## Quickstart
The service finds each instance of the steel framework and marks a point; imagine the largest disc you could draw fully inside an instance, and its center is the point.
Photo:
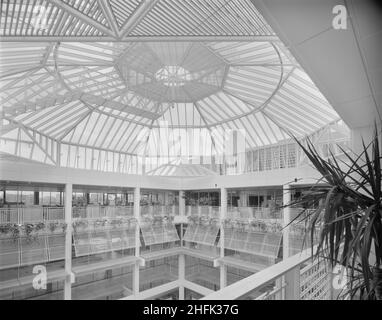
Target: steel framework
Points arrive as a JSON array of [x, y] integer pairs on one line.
[[110, 83]]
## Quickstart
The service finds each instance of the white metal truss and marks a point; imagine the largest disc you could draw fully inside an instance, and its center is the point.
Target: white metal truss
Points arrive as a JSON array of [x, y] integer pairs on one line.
[[135, 20]]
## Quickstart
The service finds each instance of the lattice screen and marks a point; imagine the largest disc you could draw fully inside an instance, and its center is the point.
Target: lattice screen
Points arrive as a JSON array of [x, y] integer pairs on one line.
[[99, 241], [9, 253], [258, 243], [315, 282], [22, 251], [159, 234], [201, 234]]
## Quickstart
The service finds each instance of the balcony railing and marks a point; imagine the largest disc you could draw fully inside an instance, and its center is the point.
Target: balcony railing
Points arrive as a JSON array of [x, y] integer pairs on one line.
[[296, 278], [235, 213], [159, 210], [32, 214], [21, 215], [94, 211]]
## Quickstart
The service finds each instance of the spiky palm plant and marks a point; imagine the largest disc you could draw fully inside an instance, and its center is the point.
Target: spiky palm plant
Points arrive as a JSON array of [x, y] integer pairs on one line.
[[348, 217]]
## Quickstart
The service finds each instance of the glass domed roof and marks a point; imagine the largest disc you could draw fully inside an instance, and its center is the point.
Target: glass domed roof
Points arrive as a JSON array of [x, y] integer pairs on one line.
[[155, 79]]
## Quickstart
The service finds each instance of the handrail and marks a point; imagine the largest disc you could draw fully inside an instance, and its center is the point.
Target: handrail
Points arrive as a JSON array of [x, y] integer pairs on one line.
[[259, 279]]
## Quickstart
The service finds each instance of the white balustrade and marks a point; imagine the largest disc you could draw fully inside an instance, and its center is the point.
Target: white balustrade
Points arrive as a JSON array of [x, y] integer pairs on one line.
[[295, 278], [34, 214], [39, 213]]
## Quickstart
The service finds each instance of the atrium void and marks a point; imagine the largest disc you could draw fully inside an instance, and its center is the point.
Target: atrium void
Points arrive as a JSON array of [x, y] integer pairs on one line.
[[156, 149]]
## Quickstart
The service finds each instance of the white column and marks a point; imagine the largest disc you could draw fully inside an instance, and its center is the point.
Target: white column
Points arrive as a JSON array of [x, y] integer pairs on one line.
[[58, 155], [181, 275], [182, 204], [68, 242], [137, 216], [182, 214], [223, 214], [292, 281], [286, 220], [166, 202], [223, 276], [144, 165]]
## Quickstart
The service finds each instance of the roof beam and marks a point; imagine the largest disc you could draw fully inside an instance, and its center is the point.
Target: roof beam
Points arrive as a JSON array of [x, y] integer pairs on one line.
[[7, 128], [105, 7], [183, 38], [88, 98], [21, 126], [81, 16], [136, 17], [12, 73], [47, 53], [259, 64]]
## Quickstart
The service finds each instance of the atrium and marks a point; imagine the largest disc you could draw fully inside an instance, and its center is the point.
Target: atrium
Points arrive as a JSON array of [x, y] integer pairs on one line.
[[153, 149]]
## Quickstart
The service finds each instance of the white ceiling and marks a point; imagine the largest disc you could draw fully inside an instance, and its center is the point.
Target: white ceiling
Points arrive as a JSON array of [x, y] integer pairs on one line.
[[344, 64]]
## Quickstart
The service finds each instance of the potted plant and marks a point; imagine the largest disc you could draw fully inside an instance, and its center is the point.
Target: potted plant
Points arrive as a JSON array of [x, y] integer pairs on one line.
[[348, 216], [80, 225], [228, 223], [32, 230], [6, 230], [57, 227], [193, 219], [100, 224]]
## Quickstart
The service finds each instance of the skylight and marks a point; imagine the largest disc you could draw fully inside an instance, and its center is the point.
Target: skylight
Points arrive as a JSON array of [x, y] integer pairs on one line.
[[173, 76]]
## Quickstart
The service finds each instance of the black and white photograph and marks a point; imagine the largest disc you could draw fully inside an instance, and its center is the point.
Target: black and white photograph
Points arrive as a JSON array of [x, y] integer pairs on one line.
[[212, 151]]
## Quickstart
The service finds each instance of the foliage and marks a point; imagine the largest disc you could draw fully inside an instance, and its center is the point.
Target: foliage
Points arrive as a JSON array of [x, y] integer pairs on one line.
[[53, 226], [80, 223], [193, 219], [118, 222], [30, 230], [348, 215], [101, 222], [5, 228]]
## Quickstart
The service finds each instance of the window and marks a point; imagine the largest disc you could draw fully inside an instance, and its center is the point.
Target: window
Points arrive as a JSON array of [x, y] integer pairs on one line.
[[27, 197], [111, 198], [11, 196], [78, 199], [49, 198], [55, 199], [96, 198]]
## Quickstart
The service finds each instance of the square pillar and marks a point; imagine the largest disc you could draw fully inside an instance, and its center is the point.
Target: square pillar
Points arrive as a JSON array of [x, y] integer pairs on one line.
[[222, 216], [223, 276], [182, 204], [286, 220], [137, 216], [182, 213], [136, 278], [292, 281], [68, 242], [166, 198], [181, 275]]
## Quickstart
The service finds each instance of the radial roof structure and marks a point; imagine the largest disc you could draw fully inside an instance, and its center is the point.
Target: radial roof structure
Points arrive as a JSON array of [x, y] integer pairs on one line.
[[145, 78]]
